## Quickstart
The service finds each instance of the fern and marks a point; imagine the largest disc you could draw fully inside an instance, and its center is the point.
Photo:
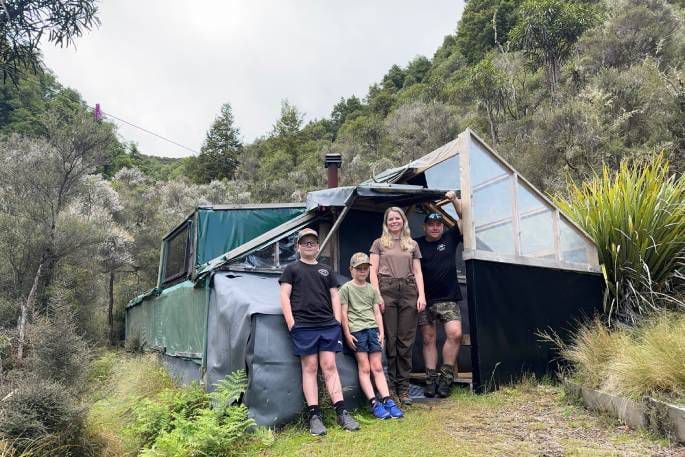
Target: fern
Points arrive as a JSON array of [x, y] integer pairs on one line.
[[191, 423], [228, 391]]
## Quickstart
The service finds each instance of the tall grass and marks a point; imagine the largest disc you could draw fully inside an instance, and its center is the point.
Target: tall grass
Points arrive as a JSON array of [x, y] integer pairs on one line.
[[647, 359], [636, 216], [120, 381], [653, 363]]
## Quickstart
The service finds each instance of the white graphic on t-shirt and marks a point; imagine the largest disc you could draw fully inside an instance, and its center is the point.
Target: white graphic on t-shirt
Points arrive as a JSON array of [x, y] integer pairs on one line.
[[441, 247], [323, 272]]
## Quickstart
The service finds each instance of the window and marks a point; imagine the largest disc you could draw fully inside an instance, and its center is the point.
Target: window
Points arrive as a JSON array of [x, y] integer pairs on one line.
[[444, 175], [574, 247], [483, 166], [536, 224], [177, 253], [274, 256]]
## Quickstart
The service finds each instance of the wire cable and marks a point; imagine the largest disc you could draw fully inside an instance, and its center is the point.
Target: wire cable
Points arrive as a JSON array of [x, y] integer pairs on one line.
[[148, 131]]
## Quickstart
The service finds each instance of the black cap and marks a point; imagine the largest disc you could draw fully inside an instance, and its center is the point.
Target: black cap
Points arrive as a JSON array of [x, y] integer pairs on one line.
[[433, 217]]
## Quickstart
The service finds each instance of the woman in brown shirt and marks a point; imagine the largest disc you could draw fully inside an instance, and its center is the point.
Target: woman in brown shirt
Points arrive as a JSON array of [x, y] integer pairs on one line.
[[396, 273]]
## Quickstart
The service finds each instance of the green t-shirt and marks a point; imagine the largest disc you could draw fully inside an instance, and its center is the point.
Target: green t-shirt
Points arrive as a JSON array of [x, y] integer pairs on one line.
[[359, 301]]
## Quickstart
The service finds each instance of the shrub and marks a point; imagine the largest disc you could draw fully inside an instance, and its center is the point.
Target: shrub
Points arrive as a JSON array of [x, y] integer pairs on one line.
[[36, 410], [591, 349], [648, 359], [154, 416], [58, 353], [189, 422], [653, 363], [637, 219]]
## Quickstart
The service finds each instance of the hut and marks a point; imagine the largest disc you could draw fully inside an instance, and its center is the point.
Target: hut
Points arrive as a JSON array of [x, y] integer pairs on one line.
[[524, 268]]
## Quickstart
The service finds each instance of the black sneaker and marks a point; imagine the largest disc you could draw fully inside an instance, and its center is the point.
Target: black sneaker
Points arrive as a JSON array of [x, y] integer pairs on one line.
[[316, 426], [347, 422], [445, 381], [431, 383]]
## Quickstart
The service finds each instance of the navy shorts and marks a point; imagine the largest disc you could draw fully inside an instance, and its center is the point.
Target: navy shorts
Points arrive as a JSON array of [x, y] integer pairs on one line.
[[312, 340], [368, 340]]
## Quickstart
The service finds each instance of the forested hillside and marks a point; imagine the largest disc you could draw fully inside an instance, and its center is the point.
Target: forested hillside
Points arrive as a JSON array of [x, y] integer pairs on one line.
[[557, 87]]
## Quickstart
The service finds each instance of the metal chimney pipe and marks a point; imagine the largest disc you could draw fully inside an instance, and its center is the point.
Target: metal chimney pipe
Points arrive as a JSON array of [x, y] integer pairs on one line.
[[332, 163]]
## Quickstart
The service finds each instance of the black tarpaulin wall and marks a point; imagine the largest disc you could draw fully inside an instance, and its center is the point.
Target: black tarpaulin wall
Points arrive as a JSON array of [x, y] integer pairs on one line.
[[246, 330], [508, 304]]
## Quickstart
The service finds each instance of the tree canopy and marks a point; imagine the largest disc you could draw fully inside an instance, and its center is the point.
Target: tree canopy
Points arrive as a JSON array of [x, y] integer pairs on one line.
[[24, 23]]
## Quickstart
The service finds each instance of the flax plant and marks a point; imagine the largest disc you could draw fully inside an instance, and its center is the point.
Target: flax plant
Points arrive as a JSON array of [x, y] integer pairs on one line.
[[636, 216]]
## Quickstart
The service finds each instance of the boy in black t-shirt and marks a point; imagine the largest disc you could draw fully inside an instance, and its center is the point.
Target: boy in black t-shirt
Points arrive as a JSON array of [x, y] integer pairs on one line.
[[439, 266], [311, 307]]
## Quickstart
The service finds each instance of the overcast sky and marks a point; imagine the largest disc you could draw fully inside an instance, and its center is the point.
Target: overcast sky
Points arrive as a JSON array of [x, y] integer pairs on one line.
[[168, 66]]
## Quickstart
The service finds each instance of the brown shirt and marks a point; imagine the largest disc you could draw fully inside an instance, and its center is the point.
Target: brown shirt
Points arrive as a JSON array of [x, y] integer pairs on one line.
[[395, 262]]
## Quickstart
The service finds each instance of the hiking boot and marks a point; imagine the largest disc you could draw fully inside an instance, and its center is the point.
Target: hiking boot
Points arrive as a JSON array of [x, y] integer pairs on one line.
[[431, 383], [392, 409], [445, 381], [405, 399], [316, 426], [347, 422], [380, 411]]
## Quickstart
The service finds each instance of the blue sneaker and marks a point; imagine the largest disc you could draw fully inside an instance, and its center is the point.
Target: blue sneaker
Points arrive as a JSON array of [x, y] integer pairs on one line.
[[379, 411], [393, 410]]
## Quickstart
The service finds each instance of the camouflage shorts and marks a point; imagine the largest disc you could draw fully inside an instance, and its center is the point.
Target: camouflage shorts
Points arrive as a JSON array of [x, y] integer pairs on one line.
[[443, 311]]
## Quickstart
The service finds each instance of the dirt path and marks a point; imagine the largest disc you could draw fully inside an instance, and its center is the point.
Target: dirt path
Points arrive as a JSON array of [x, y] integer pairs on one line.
[[538, 420]]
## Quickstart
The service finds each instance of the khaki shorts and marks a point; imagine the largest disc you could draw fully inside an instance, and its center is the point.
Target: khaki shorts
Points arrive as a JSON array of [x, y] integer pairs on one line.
[[444, 311]]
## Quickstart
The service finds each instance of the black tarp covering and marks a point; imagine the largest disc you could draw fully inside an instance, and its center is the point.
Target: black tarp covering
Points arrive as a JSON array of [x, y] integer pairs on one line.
[[246, 330], [274, 391], [509, 303]]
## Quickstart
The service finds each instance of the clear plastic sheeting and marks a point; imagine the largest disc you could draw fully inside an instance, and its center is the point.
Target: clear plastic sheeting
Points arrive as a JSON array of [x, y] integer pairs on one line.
[[445, 175], [493, 215], [483, 166], [271, 257], [496, 238], [574, 248], [536, 224], [493, 202], [537, 237]]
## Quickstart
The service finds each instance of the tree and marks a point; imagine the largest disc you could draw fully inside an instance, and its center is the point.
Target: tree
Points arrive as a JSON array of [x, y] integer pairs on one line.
[[418, 128], [394, 79], [417, 70], [547, 30], [634, 29], [343, 110], [39, 181], [480, 20], [285, 137], [486, 84], [23, 23], [218, 157]]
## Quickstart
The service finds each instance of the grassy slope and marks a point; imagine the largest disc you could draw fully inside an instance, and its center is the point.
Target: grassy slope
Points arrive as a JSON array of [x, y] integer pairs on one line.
[[526, 420]]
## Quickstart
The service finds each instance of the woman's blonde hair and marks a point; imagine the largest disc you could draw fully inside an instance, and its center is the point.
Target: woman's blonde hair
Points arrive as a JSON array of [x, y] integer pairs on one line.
[[406, 243]]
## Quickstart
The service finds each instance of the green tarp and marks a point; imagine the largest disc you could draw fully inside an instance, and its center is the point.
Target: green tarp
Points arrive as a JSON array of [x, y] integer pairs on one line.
[[173, 322], [221, 230]]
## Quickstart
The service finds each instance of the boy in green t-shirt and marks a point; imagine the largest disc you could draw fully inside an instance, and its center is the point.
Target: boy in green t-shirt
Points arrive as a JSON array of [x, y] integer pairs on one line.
[[363, 328]]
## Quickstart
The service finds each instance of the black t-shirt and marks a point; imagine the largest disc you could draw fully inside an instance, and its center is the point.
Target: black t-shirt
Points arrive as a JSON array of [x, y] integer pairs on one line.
[[439, 266], [310, 298]]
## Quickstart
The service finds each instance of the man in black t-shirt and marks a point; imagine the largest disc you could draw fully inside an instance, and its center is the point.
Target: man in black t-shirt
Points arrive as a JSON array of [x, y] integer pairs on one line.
[[312, 311], [439, 266]]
